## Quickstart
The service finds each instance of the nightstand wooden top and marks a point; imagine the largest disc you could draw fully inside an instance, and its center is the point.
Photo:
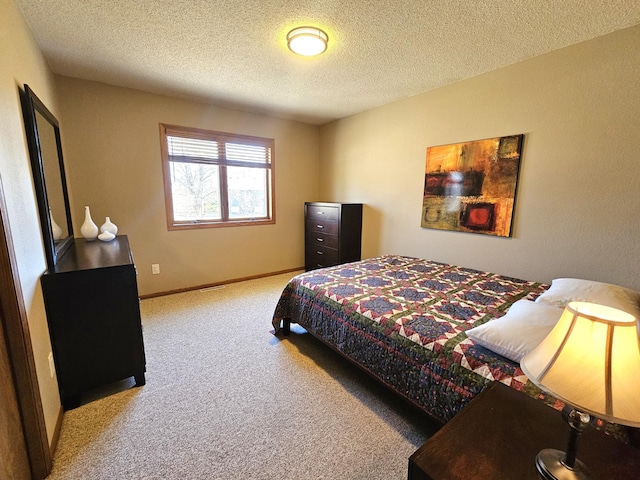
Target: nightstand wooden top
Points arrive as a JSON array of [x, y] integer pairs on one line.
[[499, 434]]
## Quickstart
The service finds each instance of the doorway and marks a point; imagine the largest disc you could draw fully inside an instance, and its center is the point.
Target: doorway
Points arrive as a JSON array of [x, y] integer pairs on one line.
[[20, 402]]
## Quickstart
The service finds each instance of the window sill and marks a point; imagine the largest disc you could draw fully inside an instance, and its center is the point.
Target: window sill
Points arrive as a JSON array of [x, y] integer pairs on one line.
[[197, 225]]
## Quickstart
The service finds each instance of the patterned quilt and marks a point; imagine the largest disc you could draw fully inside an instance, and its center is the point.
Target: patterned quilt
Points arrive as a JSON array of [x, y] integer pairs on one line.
[[404, 320]]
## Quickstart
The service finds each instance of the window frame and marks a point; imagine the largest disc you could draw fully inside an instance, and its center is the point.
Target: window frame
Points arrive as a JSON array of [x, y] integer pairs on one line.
[[222, 163]]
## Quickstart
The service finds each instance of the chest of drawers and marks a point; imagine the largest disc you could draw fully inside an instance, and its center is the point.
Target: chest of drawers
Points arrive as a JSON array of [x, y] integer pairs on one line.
[[93, 312], [333, 233]]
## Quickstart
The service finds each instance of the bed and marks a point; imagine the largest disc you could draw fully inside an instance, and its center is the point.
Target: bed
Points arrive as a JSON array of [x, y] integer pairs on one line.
[[403, 320]]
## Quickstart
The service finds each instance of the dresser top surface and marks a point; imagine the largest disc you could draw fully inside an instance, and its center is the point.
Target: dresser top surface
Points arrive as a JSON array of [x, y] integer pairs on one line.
[[332, 204], [87, 255]]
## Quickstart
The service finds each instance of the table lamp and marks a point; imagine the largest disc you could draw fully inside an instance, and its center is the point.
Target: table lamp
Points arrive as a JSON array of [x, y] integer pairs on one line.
[[591, 362]]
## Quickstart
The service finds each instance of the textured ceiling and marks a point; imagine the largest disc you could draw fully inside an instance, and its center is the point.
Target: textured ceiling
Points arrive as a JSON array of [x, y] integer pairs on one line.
[[233, 53]]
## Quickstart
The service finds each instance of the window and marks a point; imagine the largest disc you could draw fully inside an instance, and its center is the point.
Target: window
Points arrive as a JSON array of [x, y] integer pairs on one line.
[[214, 179]]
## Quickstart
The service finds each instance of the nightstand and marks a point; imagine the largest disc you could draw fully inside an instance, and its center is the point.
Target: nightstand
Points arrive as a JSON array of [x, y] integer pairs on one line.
[[500, 432]]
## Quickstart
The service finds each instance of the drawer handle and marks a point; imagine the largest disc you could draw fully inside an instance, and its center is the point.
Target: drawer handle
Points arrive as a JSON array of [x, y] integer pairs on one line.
[[320, 213], [320, 239], [320, 253], [320, 226]]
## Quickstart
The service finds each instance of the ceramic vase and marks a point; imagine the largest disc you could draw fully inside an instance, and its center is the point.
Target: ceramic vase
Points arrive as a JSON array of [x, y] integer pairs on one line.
[[55, 228], [89, 230], [106, 236], [108, 226]]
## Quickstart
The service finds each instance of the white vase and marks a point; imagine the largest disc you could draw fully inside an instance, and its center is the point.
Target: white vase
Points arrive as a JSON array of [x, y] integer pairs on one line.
[[55, 228], [89, 230], [108, 226], [106, 236]]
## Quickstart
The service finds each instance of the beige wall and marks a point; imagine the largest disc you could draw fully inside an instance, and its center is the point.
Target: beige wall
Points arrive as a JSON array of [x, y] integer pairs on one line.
[[112, 153], [22, 63], [578, 201]]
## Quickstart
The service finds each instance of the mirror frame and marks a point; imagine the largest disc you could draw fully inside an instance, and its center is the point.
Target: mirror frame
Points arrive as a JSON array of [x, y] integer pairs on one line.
[[30, 105]]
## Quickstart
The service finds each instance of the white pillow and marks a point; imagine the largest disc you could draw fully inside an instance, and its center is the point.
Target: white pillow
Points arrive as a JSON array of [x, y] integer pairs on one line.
[[565, 290], [519, 331]]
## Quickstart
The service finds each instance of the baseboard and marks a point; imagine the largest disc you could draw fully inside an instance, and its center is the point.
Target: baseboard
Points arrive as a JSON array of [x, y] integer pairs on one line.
[[216, 284]]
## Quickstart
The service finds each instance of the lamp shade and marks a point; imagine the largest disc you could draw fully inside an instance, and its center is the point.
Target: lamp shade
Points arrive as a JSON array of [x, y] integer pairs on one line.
[[591, 360]]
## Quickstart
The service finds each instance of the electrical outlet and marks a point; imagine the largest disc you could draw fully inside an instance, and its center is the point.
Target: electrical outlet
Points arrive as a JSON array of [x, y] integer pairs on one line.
[[52, 366], [155, 268]]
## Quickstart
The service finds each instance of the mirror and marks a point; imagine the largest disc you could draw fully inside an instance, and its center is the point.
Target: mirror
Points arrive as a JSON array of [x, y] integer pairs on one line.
[[45, 150]]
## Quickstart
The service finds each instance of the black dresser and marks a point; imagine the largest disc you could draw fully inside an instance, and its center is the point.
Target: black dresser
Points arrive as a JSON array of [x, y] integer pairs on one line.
[[93, 311], [333, 233]]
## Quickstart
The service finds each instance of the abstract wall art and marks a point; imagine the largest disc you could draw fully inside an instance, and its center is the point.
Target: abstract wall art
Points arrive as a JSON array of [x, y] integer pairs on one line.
[[471, 186]]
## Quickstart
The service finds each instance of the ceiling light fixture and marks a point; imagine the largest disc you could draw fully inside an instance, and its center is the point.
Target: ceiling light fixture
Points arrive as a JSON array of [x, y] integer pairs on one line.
[[307, 41]]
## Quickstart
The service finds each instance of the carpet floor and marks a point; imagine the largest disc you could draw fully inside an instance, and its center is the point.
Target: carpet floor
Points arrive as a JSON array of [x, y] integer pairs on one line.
[[226, 399]]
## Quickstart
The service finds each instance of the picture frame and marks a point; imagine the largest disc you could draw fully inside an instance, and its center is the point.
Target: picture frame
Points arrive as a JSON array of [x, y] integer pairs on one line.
[[471, 186]]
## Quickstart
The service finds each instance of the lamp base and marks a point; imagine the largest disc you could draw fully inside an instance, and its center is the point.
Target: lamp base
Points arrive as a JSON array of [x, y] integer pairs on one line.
[[550, 465]]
